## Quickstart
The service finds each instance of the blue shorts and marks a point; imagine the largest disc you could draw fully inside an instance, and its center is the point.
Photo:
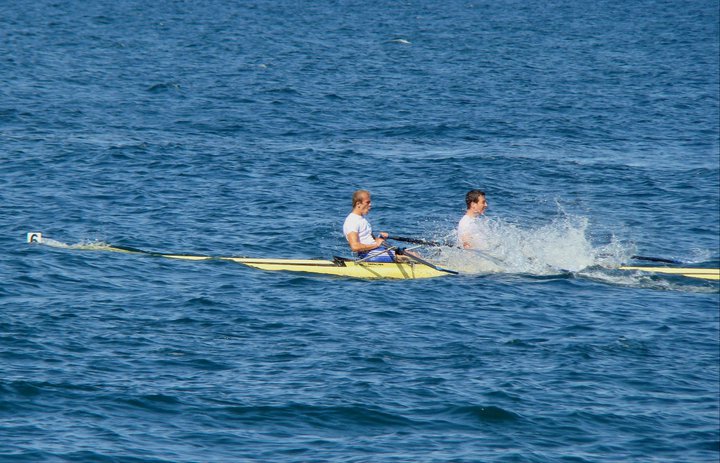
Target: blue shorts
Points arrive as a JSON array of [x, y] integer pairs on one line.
[[388, 256]]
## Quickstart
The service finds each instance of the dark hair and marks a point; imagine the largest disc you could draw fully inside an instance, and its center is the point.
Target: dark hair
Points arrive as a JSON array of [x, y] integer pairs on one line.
[[473, 196]]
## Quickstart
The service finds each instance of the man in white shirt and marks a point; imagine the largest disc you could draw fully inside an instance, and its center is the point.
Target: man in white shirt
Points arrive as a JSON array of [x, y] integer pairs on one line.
[[468, 233], [358, 232]]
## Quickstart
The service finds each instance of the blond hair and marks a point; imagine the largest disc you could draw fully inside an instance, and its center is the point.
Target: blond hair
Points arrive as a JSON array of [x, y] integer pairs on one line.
[[359, 196]]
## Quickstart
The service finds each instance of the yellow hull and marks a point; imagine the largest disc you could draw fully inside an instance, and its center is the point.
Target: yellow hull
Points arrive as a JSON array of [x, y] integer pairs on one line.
[[338, 267], [703, 273], [344, 268]]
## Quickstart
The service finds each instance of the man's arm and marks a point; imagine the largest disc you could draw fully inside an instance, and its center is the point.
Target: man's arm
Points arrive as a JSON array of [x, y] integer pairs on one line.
[[356, 246]]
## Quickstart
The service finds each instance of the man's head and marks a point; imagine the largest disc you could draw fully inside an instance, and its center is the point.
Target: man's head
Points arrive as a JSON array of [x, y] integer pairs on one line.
[[361, 202], [475, 200]]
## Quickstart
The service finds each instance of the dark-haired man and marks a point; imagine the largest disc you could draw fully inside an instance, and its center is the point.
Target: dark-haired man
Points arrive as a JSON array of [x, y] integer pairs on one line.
[[468, 233]]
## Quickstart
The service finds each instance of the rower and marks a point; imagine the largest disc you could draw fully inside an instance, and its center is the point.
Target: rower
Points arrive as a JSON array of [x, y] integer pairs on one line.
[[359, 235], [468, 232]]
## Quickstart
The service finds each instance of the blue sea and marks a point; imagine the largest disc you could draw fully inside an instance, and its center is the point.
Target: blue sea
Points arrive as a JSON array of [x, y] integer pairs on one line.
[[242, 128]]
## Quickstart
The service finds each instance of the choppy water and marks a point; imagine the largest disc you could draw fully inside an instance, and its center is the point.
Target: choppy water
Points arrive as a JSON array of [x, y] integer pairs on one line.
[[233, 128]]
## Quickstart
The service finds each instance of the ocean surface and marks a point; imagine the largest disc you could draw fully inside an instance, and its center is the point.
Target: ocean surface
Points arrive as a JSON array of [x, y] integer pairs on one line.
[[243, 128]]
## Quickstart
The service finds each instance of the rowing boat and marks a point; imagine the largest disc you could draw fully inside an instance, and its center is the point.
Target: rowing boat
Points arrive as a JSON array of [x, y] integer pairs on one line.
[[339, 266], [343, 267]]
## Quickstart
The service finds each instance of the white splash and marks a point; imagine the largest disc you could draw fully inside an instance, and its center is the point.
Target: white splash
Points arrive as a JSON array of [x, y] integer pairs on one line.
[[559, 246]]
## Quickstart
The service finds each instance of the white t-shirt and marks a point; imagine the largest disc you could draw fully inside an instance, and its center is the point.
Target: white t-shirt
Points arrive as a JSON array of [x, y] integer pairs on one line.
[[357, 223], [470, 231]]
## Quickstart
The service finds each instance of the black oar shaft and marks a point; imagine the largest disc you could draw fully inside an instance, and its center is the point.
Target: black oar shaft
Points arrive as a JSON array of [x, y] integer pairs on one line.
[[415, 241], [435, 243], [430, 264], [656, 259]]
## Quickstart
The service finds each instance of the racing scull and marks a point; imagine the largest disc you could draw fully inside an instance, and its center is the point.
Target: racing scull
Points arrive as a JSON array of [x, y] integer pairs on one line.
[[343, 267]]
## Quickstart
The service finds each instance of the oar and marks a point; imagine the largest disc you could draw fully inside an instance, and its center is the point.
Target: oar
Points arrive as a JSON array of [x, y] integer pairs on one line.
[[656, 259], [411, 256], [435, 243], [415, 241], [430, 264]]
